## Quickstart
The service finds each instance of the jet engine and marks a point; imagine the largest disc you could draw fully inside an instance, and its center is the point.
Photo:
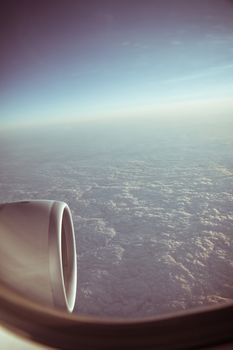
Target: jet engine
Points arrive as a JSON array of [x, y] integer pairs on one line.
[[38, 252]]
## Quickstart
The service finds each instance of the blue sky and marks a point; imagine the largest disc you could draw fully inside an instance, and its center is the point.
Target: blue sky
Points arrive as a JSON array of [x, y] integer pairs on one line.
[[64, 61]]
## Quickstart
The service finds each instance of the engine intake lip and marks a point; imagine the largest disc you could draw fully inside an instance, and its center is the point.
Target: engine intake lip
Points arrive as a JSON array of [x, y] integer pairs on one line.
[[62, 257]]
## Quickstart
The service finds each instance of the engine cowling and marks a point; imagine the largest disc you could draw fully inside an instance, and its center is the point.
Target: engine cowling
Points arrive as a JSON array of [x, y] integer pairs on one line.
[[38, 252]]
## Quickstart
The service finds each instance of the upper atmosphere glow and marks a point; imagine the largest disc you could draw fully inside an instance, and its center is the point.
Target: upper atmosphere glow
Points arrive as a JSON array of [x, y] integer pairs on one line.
[[76, 61]]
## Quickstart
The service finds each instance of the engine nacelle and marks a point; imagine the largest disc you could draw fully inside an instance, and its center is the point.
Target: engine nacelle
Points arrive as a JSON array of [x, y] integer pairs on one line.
[[38, 252]]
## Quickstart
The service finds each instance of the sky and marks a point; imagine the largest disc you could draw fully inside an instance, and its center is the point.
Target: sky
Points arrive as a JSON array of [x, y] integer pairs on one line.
[[75, 60]]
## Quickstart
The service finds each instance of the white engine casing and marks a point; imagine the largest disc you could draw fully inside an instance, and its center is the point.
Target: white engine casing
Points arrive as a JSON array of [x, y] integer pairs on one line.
[[38, 252]]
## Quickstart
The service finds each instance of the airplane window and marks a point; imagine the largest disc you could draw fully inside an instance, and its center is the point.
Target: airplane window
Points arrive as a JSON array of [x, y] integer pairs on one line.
[[123, 109]]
